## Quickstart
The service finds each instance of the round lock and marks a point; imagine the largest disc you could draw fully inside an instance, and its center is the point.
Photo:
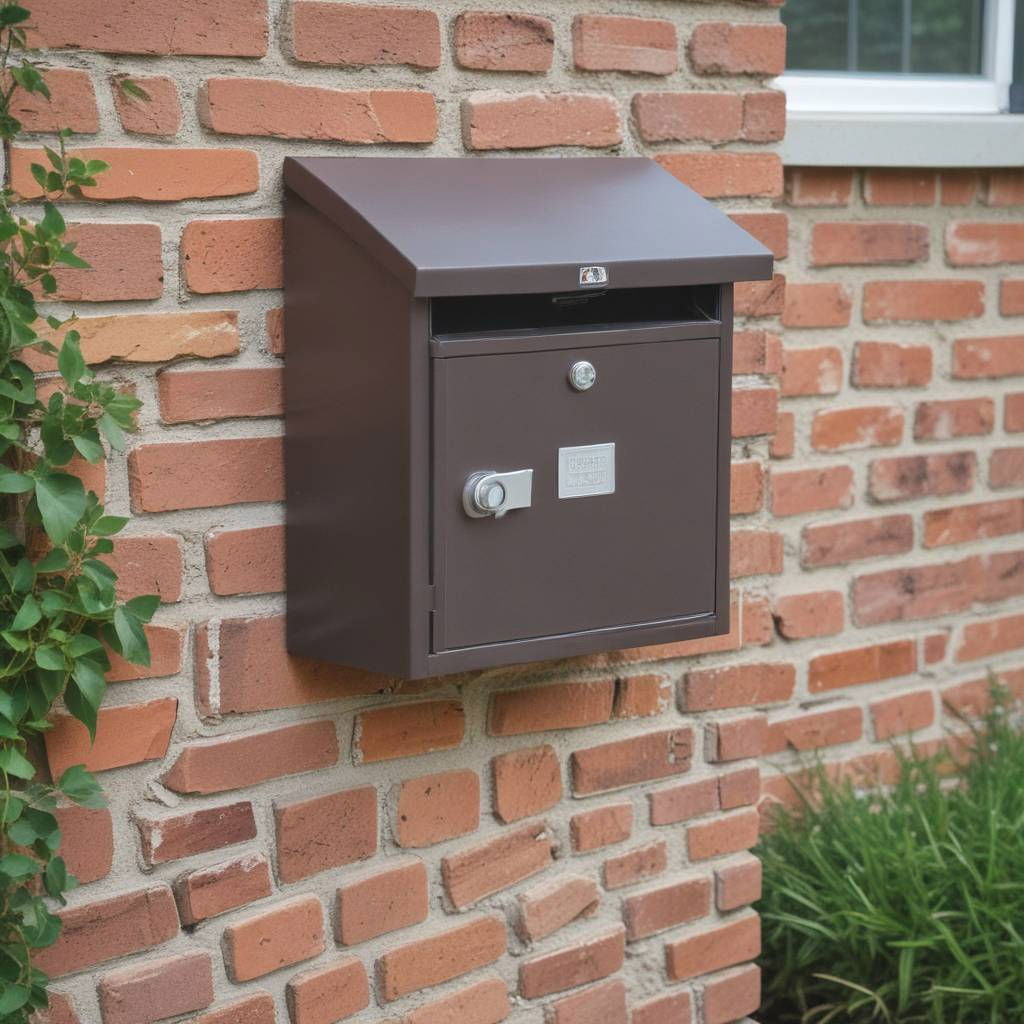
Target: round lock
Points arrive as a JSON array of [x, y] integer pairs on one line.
[[491, 497], [582, 375]]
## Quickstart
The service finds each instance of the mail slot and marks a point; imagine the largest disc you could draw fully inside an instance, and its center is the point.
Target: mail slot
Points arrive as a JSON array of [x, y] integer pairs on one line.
[[507, 409]]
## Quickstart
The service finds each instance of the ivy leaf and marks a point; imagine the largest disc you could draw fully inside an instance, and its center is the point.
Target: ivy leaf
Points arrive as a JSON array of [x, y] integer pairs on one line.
[[61, 499], [12, 811], [143, 608], [80, 645], [52, 223], [13, 997], [49, 657], [81, 787], [91, 681], [24, 576], [112, 431], [71, 362], [28, 615], [55, 878], [90, 450], [107, 526], [12, 14], [14, 762], [54, 561], [14, 483], [131, 638]]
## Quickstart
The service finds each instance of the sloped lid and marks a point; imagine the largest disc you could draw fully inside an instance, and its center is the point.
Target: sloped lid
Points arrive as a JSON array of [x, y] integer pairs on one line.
[[479, 226]]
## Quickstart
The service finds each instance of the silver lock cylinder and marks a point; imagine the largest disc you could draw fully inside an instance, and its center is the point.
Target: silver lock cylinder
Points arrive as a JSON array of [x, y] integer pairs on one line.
[[582, 375], [489, 493]]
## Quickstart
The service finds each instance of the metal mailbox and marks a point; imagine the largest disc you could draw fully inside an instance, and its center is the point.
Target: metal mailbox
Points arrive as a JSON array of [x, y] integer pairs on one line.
[[507, 409]]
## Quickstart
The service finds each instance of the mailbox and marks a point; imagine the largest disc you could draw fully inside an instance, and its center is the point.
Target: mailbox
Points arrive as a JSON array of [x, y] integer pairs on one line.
[[507, 409]]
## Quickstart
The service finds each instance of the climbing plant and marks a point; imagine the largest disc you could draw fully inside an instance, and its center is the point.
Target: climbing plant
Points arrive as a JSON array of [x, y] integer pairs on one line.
[[59, 614]]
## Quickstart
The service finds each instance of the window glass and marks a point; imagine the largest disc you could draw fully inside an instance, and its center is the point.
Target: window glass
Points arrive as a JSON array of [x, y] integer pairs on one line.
[[932, 37]]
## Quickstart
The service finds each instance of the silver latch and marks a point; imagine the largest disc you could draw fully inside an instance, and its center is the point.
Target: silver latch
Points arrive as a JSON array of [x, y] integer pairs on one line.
[[490, 493]]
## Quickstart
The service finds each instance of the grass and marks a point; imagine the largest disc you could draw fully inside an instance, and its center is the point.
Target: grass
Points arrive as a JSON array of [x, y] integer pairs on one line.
[[904, 905]]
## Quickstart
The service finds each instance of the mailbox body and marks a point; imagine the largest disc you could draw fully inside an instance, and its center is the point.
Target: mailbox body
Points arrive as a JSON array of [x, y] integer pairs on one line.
[[421, 351]]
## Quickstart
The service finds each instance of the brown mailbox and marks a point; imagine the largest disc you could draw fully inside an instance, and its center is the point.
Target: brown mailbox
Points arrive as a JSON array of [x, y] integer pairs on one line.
[[508, 409]]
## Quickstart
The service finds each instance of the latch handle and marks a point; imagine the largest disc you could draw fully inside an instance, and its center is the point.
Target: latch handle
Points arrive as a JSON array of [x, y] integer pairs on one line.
[[490, 493]]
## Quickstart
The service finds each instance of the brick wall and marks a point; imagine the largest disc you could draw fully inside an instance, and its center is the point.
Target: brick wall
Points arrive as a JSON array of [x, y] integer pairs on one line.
[[294, 842]]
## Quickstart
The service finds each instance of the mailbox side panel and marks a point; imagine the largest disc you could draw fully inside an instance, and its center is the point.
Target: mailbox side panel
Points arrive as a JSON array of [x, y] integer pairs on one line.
[[348, 450]]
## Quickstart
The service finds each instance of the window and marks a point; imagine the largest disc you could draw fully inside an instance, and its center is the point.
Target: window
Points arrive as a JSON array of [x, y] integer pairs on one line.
[[886, 56]]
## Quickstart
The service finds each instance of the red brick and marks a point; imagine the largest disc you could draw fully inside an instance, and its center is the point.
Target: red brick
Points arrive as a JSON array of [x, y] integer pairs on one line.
[[537, 120], [647, 861], [899, 187], [822, 304], [504, 41], [59, 1011], [248, 561], [210, 891], [255, 1009], [583, 962], [728, 834], [813, 729], [974, 697], [364, 34], [723, 48], [124, 260], [1005, 188], [200, 831], [868, 426], [526, 782], [764, 116], [93, 933], [605, 1003], [747, 493], [486, 1002], [551, 905], [811, 371], [736, 738], [654, 755], [165, 644], [205, 474], [909, 712], [923, 300], [800, 616], [760, 298], [656, 910], [448, 954], [232, 255], [326, 995], [737, 686], [959, 188], [862, 665], [730, 996], [87, 841], [1000, 575], [495, 864], [408, 729], [991, 637], [71, 104], [720, 175], [797, 492], [784, 442], [147, 565], [609, 43], [935, 648], [214, 766], [923, 592], [960, 417], [642, 696], [158, 114], [384, 901], [432, 808], [754, 411], [283, 110], [682, 802], [237, 29], [888, 364], [128, 734], [156, 175], [289, 933], [973, 522], [987, 358], [601, 827], [854, 243], [738, 884], [712, 948], [771, 229], [324, 832], [1006, 467], [688, 116], [740, 787], [818, 186], [191, 396], [919, 476], [755, 552], [157, 989], [1011, 297], [984, 243], [1013, 414], [541, 708]]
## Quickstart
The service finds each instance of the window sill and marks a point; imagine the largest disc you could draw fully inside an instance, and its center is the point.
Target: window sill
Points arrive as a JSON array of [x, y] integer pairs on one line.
[[903, 140]]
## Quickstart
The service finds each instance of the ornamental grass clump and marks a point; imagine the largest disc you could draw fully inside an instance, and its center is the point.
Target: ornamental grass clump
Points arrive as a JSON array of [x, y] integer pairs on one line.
[[902, 905]]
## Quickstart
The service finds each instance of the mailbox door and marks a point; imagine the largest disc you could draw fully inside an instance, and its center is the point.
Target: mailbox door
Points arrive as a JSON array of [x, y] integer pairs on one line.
[[589, 553]]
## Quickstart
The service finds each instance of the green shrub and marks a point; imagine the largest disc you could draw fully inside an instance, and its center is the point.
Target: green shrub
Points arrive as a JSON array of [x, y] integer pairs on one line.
[[905, 905]]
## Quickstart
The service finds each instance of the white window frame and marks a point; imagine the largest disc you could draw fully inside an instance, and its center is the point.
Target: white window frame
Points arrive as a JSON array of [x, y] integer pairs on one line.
[[861, 92]]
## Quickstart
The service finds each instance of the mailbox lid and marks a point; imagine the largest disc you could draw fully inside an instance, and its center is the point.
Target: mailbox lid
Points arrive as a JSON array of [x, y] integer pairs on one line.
[[576, 561], [474, 226]]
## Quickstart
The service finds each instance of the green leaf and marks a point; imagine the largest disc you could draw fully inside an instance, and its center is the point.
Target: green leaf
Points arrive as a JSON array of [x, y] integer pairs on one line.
[[91, 681], [52, 223], [12, 811], [81, 787], [14, 483], [17, 865], [80, 645], [7, 539], [13, 997], [107, 526], [71, 362], [55, 878], [24, 576], [28, 615], [130, 88], [12, 14], [55, 560], [61, 499], [131, 638], [50, 657], [112, 431], [15, 763], [90, 450], [144, 607]]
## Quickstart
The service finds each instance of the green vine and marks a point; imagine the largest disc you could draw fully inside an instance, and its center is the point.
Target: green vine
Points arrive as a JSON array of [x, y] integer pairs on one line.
[[59, 614]]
